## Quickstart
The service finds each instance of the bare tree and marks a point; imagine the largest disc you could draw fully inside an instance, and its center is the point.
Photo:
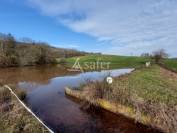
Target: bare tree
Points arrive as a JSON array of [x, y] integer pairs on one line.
[[159, 55], [28, 52]]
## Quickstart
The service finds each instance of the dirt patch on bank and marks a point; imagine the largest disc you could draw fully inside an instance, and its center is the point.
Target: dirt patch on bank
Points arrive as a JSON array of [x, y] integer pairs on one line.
[[168, 74]]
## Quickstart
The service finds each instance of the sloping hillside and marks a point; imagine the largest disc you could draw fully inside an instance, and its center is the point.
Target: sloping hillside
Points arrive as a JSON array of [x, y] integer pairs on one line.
[[115, 61]]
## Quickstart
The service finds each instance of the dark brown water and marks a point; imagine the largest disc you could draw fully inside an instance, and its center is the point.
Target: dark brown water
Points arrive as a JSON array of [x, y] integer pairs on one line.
[[45, 96]]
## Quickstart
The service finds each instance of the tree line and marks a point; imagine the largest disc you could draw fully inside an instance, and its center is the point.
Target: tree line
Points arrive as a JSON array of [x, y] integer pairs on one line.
[[157, 55], [28, 52]]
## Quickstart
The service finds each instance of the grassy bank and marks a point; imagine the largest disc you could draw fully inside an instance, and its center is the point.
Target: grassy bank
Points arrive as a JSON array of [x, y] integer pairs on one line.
[[171, 64], [115, 61], [14, 118], [147, 95], [152, 84]]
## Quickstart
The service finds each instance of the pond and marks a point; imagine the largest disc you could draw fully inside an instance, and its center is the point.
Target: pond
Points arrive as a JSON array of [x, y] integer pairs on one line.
[[46, 97]]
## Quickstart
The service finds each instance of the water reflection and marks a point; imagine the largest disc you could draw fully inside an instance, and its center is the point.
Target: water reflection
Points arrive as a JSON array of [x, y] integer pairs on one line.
[[37, 74]]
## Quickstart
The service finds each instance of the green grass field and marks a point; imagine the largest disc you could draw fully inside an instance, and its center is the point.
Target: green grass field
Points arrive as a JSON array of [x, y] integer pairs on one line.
[[151, 84], [121, 61], [171, 64], [115, 61]]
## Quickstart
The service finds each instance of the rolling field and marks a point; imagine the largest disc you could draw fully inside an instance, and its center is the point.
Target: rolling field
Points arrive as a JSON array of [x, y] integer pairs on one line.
[[115, 61]]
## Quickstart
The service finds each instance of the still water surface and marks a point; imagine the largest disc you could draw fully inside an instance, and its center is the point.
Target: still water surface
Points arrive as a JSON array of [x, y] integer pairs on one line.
[[45, 96]]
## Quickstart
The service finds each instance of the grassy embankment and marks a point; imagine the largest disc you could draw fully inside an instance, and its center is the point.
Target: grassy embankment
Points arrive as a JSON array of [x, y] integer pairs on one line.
[[171, 64], [148, 95], [13, 117]]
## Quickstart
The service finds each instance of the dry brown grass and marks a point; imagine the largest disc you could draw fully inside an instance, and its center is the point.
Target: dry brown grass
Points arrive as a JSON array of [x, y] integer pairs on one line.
[[14, 118]]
